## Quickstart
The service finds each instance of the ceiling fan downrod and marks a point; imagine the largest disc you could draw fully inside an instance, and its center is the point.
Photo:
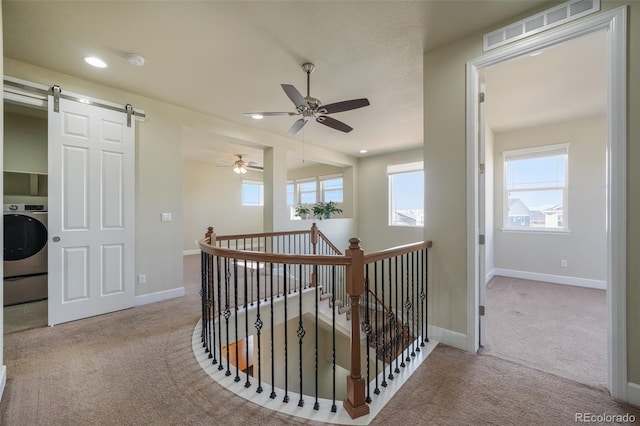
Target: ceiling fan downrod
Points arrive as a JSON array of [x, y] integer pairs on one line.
[[308, 67]]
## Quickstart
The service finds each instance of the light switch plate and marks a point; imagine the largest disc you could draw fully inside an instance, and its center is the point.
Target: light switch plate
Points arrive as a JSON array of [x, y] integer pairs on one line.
[[166, 217]]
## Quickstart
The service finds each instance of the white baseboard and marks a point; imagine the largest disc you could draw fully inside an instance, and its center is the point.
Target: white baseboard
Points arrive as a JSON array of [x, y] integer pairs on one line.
[[3, 379], [489, 275], [159, 296], [190, 252], [633, 394], [555, 279], [448, 337]]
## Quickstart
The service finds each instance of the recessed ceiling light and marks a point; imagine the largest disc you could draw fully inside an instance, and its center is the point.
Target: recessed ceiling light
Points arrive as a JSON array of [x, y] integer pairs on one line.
[[95, 62], [257, 116], [135, 59], [363, 151]]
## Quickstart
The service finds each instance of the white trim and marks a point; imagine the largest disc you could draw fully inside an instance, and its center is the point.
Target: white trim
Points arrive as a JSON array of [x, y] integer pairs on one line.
[[447, 337], [614, 23], [190, 252], [3, 379], [633, 394], [158, 296], [550, 278]]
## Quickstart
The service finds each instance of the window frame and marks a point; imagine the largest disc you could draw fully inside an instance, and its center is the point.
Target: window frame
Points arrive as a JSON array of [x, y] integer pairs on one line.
[[531, 153], [397, 169]]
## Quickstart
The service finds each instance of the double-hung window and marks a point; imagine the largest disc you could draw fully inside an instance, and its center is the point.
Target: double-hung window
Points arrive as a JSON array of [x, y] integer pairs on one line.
[[252, 193], [535, 188], [406, 194], [307, 191], [331, 187]]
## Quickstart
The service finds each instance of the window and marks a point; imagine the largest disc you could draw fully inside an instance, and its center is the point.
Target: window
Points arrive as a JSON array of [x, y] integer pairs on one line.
[[535, 188], [290, 194], [331, 188], [307, 192], [406, 194], [252, 193]]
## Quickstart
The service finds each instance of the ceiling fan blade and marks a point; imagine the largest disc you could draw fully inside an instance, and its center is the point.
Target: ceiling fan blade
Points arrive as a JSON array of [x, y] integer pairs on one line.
[[269, 114], [343, 106], [254, 167], [334, 124], [296, 97], [299, 124]]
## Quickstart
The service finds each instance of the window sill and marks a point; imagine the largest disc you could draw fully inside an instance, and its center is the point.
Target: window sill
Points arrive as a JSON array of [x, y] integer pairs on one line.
[[536, 231]]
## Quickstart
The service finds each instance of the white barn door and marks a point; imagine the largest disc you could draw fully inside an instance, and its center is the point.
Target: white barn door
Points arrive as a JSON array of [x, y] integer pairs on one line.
[[91, 211]]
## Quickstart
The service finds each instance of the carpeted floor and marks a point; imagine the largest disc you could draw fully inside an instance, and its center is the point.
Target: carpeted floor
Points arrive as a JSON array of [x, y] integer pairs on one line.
[[556, 328], [136, 367]]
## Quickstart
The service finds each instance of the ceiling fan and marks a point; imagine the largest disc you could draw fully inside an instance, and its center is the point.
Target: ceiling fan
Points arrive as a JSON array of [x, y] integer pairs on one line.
[[240, 166], [312, 108]]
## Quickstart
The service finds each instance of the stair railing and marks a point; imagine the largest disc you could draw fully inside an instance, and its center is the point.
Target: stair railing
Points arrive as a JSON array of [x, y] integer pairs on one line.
[[251, 283]]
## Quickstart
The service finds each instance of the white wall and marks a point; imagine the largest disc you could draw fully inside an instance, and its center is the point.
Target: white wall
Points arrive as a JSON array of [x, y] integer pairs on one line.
[[373, 203], [25, 148], [584, 247], [212, 197], [489, 201]]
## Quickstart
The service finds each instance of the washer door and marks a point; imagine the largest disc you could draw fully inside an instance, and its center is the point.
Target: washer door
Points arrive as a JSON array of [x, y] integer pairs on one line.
[[24, 236]]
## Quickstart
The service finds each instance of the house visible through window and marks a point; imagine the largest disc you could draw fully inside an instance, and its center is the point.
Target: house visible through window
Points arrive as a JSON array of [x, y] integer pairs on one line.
[[252, 193], [535, 188], [406, 194]]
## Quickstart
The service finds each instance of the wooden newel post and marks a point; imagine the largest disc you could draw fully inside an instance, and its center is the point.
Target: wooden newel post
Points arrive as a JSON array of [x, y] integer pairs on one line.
[[210, 236], [355, 403]]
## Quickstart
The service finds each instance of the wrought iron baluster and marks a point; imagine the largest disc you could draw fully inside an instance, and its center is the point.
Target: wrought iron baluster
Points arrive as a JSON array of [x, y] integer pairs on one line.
[[235, 312], [375, 304], [407, 305], [316, 405], [247, 383], [219, 267], [402, 303], [367, 329], [425, 292], [259, 323], [227, 312], [391, 316], [286, 360], [398, 305], [334, 408], [300, 333], [413, 304], [273, 369], [385, 348]]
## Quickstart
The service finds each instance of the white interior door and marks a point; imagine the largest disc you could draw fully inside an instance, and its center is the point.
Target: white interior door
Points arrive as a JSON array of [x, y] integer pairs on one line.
[[482, 261], [91, 211]]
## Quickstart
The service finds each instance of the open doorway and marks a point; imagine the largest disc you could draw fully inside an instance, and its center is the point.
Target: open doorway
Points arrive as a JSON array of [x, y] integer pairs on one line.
[[613, 23], [545, 138]]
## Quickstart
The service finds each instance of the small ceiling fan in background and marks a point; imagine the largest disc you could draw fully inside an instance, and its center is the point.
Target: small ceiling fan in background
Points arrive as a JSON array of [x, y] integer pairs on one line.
[[312, 108], [240, 166]]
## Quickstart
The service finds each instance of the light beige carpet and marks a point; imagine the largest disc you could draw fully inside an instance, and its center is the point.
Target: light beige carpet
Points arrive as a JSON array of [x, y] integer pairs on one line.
[[136, 367], [556, 328]]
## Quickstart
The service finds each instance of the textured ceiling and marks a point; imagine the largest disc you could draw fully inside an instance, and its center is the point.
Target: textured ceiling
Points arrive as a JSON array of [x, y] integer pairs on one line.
[[226, 58]]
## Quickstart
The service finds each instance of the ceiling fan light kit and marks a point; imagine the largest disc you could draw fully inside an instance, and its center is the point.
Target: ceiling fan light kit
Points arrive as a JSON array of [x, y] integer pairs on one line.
[[241, 167], [311, 108]]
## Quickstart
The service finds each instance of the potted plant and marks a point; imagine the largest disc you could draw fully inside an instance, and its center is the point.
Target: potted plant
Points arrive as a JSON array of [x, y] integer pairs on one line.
[[302, 211], [323, 210]]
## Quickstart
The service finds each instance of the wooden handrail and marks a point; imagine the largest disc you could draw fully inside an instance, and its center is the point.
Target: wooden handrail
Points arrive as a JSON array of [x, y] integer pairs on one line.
[[258, 256], [260, 235], [396, 251], [329, 243]]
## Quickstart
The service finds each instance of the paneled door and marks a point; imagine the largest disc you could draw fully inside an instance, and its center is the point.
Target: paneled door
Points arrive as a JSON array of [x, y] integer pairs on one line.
[[91, 211]]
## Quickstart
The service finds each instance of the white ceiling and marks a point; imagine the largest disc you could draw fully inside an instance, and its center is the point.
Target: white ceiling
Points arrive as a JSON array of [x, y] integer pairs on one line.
[[224, 58]]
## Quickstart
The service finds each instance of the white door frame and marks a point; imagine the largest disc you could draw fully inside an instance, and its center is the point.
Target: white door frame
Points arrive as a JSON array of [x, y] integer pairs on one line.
[[615, 23]]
